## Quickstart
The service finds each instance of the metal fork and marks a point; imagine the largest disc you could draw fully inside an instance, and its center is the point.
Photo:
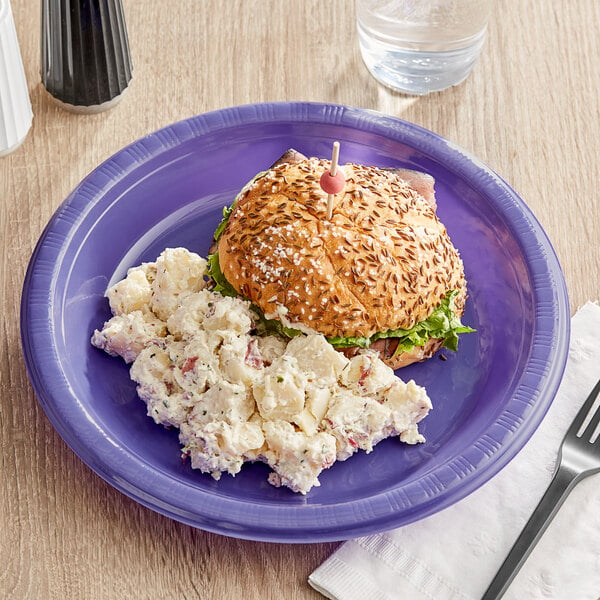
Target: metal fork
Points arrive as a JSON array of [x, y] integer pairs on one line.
[[578, 457]]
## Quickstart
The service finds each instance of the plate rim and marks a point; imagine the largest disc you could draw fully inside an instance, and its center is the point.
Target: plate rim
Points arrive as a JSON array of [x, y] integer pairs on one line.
[[39, 279]]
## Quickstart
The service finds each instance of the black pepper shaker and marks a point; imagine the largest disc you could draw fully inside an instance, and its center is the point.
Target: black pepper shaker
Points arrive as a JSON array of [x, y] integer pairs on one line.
[[86, 64]]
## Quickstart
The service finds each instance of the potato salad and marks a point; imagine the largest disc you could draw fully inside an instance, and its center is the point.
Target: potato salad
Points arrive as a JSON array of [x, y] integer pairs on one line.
[[295, 404]]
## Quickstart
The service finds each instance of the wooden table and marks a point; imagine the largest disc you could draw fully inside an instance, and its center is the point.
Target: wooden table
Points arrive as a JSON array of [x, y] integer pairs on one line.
[[530, 110]]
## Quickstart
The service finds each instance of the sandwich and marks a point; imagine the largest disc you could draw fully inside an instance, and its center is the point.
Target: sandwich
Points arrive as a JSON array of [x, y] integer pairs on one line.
[[381, 273]]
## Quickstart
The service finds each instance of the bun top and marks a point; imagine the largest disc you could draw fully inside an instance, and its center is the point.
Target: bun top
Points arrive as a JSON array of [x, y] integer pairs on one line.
[[384, 261]]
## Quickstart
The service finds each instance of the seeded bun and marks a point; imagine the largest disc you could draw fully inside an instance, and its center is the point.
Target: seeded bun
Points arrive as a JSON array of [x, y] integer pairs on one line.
[[383, 261]]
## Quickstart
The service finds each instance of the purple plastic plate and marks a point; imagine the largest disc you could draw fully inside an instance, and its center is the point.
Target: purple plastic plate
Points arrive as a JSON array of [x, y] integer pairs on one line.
[[168, 189]]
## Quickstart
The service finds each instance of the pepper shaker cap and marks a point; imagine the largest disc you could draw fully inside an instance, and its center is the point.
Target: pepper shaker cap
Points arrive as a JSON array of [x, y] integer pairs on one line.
[[85, 57]]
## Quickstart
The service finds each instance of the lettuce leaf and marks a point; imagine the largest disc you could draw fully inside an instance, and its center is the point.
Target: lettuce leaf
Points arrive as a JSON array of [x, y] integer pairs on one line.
[[266, 326], [227, 210], [442, 323], [221, 284]]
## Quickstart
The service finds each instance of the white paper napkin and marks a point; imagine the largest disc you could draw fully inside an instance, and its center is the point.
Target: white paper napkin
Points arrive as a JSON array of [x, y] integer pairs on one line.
[[454, 554]]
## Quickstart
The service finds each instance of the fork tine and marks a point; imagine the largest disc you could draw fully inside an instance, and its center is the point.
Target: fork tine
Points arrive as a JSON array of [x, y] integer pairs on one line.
[[588, 433], [583, 412]]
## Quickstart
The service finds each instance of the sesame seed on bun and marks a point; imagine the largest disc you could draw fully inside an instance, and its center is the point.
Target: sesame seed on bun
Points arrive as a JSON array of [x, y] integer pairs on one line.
[[383, 262]]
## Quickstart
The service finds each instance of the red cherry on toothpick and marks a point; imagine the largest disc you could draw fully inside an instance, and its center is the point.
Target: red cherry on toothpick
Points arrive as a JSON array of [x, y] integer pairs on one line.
[[332, 184]]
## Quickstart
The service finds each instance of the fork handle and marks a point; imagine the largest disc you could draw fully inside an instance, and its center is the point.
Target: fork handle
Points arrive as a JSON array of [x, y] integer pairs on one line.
[[562, 483]]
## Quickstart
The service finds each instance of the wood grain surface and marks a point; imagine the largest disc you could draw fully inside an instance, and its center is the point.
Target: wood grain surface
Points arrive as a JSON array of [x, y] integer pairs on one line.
[[530, 110]]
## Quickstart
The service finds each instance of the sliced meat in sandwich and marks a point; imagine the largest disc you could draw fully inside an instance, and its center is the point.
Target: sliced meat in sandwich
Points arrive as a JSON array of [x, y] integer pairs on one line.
[[382, 273]]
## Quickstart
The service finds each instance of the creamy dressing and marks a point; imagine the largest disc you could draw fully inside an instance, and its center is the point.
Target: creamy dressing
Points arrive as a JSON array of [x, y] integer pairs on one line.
[[298, 405]]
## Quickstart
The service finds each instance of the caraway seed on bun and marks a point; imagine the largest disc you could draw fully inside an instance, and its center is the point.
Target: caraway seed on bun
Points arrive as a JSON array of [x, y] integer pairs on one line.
[[381, 273]]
